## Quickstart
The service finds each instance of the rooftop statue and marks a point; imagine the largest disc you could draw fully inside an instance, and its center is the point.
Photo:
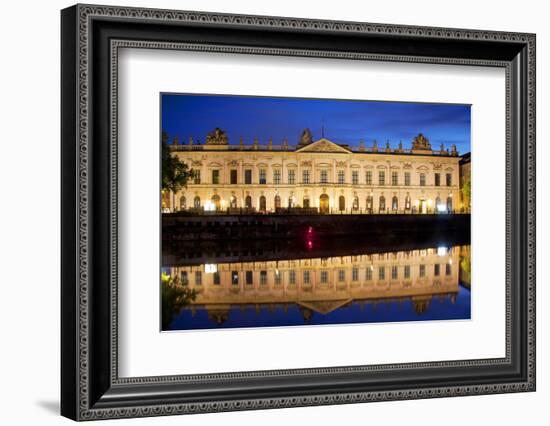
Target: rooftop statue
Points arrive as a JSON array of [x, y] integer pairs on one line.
[[306, 138], [421, 143], [216, 137]]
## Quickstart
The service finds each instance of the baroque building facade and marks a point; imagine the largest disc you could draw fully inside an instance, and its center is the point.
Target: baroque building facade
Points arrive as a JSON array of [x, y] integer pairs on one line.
[[317, 176]]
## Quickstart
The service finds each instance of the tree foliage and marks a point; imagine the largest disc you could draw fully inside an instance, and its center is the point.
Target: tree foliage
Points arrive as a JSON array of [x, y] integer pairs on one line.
[[175, 173]]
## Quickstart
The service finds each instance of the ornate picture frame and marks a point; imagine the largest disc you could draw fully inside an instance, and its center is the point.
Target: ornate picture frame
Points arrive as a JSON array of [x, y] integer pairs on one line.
[[90, 40]]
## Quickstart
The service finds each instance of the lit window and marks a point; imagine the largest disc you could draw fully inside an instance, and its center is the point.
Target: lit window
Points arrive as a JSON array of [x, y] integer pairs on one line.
[[291, 177], [234, 277], [278, 277], [381, 177], [407, 179], [341, 177], [276, 176], [368, 177]]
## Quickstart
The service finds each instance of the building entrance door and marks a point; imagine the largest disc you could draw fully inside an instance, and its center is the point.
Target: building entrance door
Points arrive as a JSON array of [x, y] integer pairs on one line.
[[323, 204]]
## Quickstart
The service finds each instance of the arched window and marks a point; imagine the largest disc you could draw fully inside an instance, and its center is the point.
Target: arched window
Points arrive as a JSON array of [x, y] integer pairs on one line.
[[355, 205], [233, 202], [342, 203], [248, 202], [183, 203], [408, 202], [449, 204], [262, 204], [216, 201], [306, 202], [277, 202], [394, 203], [369, 203], [382, 204], [324, 204], [197, 202]]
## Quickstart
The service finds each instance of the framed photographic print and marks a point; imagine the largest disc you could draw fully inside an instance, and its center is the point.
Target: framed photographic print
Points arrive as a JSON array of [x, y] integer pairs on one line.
[[263, 212]]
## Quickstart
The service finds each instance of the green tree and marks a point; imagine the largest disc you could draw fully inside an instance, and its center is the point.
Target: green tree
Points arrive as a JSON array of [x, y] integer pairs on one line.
[[175, 173]]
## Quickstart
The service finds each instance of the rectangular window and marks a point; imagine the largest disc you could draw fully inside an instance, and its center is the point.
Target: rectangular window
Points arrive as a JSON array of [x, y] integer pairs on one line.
[[292, 277], [198, 278], [215, 177], [381, 177], [394, 272], [407, 178], [278, 277], [197, 177], [368, 274], [407, 272], [355, 177], [248, 177], [447, 269], [422, 179], [183, 278], [355, 274], [422, 271], [394, 179], [341, 177], [437, 179], [436, 270], [217, 278], [291, 177], [233, 177], [263, 277], [381, 273], [277, 177], [262, 177], [368, 177], [305, 176], [449, 179], [249, 277], [306, 277], [324, 277], [341, 275], [234, 277], [324, 176]]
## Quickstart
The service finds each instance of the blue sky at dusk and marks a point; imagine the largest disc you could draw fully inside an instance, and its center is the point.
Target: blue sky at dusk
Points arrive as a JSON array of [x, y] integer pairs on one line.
[[345, 121]]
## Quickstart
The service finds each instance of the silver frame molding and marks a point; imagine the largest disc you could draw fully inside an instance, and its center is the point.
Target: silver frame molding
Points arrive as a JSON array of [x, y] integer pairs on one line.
[[91, 39]]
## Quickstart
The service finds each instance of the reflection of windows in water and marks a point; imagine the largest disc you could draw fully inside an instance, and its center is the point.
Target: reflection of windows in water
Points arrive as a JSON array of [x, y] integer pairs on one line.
[[422, 271], [368, 274], [234, 277], [198, 278], [394, 272], [278, 277], [341, 275], [292, 277], [263, 277], [355, 274], [249, 277], [183, 278], [216, 278], [436, 270], [447, 269], [306, 277], [407, 271], [324, 277], [381, 273]]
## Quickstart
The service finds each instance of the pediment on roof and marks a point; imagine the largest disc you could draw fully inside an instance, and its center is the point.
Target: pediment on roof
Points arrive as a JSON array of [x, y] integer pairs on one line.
[[324, 145]]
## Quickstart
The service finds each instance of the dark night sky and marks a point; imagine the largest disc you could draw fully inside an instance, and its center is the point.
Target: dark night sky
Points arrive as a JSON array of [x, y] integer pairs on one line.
[[345, 122]]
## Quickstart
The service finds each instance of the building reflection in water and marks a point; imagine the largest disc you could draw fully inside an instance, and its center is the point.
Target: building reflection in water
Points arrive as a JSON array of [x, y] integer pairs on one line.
[[425, 284]]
